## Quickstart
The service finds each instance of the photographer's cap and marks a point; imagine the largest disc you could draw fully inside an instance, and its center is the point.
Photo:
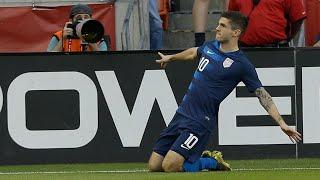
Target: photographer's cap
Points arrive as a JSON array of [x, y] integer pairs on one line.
[[80, 9]]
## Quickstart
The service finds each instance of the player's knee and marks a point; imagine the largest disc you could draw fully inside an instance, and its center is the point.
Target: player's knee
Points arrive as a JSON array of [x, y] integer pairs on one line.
[[154, 166], [169, 165], [155, 162]]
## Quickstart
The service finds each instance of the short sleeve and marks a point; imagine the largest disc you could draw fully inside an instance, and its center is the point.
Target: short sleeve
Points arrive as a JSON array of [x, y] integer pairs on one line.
[[233, 5], [103, 46], [250, 78], [52, 44], [295, 10], [200, 49]]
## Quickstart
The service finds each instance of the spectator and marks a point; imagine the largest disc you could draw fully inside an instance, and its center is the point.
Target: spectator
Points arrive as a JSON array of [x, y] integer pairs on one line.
[[312, 28], [200, 17], [67, 41], [156, 31], [271, 23]]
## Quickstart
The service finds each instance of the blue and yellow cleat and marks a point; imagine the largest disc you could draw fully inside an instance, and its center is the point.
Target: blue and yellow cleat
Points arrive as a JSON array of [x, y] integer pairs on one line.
[[217, 155]]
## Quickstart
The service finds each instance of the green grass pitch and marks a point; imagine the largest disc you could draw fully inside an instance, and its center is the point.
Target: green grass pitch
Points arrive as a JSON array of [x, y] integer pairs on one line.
[[270, 169]]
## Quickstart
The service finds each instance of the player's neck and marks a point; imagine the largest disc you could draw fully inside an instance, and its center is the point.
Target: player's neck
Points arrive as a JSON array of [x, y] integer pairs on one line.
[[230, 46]]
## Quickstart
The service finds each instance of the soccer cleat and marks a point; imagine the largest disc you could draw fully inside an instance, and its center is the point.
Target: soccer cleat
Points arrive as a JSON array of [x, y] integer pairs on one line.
[[217, 155]]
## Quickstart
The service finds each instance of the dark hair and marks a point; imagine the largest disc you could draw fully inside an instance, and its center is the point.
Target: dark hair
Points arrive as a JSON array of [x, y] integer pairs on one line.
[[80, 9], [237, 20]]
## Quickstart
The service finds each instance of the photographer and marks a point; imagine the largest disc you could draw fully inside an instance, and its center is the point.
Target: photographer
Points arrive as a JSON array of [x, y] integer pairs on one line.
[[68, 41]]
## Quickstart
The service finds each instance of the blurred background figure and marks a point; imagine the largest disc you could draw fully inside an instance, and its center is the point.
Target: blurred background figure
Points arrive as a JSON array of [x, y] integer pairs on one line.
[[156, 30], [317, 44], [312, 25], [200, 18], [67, 40], [271, 23]]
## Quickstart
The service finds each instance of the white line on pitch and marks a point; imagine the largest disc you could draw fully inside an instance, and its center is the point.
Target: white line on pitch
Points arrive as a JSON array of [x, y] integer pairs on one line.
[[275, 169], [141, 170], [73, 172]]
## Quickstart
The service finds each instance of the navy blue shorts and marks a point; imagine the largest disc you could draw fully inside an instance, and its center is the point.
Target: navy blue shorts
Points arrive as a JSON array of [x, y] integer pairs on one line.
[[184, 136]]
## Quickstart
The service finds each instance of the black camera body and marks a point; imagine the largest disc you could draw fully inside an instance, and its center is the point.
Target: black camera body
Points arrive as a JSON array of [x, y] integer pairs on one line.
[[73, 27]]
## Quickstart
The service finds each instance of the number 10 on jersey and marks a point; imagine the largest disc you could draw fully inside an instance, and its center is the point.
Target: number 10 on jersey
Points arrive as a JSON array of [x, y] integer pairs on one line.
[[203, 63]]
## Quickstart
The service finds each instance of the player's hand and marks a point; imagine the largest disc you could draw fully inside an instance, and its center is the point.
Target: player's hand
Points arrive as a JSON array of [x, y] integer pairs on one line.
[[165, 59], [294, 136]]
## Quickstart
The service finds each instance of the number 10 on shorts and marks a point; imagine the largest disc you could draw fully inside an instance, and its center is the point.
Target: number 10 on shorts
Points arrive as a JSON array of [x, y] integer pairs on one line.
[[190, 142]]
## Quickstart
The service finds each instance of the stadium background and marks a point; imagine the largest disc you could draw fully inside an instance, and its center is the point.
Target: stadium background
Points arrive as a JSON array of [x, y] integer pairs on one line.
[[126, 21], [56, 110]]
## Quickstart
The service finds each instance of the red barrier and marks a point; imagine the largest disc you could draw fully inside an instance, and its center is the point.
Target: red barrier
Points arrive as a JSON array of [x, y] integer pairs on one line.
[[313, 21], [27, 29]]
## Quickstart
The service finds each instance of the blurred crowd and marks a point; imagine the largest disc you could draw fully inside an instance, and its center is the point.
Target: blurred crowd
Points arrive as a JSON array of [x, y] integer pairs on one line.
[[270, 24]]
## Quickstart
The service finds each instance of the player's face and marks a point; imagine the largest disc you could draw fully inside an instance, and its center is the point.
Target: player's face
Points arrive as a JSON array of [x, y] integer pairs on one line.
[[224, 32]]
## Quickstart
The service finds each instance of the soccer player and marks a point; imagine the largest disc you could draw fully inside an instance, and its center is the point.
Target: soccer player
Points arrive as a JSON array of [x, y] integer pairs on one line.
[[222, 66]]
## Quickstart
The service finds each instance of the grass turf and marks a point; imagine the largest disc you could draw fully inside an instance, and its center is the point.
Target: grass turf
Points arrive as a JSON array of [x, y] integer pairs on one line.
[[243, 169]]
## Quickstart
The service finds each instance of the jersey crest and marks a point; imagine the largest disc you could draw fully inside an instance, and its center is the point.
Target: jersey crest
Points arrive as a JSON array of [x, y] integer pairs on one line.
[[227, 62]]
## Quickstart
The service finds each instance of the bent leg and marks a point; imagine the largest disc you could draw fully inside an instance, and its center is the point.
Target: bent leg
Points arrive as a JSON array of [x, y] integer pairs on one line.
[[163, 144], [173, 162], [155, 162]]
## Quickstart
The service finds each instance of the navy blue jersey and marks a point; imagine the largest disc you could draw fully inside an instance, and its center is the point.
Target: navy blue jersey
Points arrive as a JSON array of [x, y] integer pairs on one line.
[[217, 75]]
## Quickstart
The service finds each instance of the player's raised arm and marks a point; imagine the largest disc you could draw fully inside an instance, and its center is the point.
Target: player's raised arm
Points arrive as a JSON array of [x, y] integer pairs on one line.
[[268, 104], [186, 55]]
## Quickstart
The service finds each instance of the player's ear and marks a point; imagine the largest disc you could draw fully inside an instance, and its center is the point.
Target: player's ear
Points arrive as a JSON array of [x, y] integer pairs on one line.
[[237, 33]]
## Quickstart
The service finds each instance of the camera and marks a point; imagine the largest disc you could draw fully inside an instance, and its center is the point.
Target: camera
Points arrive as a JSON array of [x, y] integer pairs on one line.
[[90, 30], [73, 27]]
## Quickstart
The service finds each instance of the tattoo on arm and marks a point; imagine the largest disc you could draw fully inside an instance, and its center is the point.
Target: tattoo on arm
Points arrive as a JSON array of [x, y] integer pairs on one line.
[[264, 98], [267, 102]]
